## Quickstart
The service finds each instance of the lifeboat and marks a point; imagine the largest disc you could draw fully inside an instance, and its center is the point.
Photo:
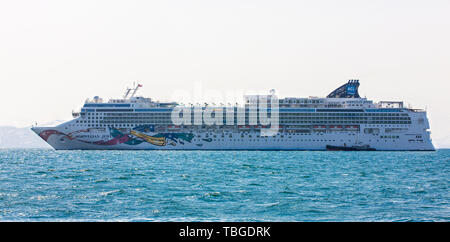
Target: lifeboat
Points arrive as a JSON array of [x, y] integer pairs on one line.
[[173, 128], [245, 127]]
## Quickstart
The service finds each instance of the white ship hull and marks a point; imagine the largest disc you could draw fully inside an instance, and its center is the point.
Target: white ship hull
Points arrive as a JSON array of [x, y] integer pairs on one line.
[[245, 141]]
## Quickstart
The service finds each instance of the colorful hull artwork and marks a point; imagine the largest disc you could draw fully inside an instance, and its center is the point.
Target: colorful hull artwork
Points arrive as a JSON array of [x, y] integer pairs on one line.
[[133, 137], [159, 141]]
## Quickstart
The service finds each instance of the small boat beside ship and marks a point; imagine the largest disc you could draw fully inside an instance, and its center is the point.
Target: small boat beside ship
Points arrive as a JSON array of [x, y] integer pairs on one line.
[[350, 148]]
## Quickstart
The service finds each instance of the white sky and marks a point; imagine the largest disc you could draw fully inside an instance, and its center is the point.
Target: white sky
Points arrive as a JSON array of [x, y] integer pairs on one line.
[[55, 54]]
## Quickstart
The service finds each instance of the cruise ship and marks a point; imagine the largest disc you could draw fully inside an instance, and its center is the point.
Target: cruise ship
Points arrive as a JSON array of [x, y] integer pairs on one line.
[[340, 121]]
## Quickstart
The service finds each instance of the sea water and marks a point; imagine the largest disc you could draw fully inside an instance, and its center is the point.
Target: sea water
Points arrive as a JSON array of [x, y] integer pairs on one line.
[[49, 185]]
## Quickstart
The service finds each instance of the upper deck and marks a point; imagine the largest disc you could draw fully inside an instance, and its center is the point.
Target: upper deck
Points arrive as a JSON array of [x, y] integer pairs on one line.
[[343, 99]]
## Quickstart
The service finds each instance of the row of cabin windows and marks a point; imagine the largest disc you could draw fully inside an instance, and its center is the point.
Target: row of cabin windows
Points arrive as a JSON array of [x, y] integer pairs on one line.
[[168, 114]]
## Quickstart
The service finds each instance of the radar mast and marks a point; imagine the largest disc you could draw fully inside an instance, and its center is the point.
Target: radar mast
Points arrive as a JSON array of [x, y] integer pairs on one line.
[[134, 89]]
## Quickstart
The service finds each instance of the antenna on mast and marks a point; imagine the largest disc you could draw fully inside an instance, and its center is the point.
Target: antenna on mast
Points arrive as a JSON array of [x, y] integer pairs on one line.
[[135, 88], [126, 93]]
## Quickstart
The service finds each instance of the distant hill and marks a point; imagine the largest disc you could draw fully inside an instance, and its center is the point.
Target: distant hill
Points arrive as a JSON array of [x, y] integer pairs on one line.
[[442, 142], [12, 137]]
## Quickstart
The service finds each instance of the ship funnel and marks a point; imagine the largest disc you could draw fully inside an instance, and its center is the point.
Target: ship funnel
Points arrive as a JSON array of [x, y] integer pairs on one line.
[[348, 90]]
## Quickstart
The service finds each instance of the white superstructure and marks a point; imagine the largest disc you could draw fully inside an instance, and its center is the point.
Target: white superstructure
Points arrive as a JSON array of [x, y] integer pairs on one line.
[[342, 119]]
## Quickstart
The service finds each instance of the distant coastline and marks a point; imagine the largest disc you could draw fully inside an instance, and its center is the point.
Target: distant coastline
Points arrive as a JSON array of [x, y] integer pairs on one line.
[[23, 138], [13, 137]]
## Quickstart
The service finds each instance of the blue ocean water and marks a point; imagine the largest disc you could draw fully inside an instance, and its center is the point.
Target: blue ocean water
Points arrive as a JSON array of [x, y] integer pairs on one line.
[[48, 185]]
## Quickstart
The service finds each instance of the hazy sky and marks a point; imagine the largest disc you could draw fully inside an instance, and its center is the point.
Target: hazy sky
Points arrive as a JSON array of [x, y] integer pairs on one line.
[[55, 54]]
